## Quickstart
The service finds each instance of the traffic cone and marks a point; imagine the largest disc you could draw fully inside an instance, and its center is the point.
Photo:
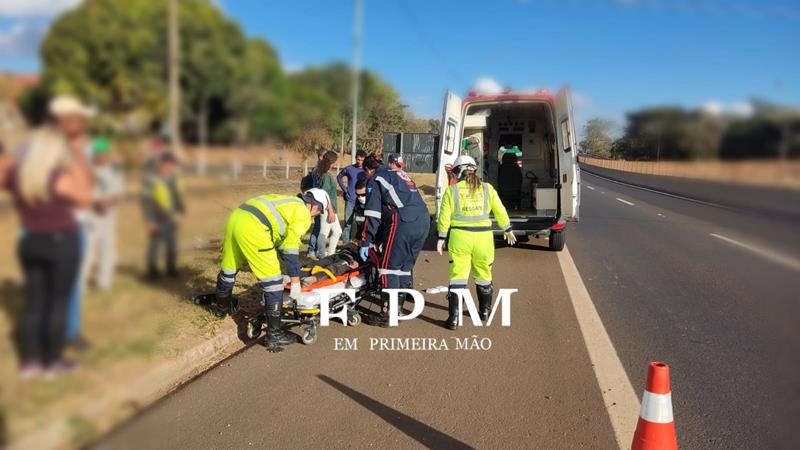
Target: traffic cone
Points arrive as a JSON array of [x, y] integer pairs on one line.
[[656, 429]]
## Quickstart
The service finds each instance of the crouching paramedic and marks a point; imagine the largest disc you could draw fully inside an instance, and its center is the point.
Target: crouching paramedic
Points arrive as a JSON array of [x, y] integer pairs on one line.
[[395, 210], [256, 232], [464, 218]]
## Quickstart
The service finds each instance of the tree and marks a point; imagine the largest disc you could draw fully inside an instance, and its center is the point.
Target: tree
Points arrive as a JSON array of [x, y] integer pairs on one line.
[[112, 53], [598, 140]]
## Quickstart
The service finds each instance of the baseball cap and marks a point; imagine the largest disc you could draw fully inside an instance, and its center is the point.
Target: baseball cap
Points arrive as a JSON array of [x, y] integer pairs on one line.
[[100, 146], [396, 158], [65, 105]]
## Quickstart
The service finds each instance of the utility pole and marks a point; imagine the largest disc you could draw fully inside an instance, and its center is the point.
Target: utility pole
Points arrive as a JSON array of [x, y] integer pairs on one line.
[[174, 81], [358, 19], [341, 147]]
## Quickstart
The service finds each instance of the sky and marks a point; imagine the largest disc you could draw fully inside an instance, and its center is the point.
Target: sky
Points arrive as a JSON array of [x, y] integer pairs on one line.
[[616, 55]]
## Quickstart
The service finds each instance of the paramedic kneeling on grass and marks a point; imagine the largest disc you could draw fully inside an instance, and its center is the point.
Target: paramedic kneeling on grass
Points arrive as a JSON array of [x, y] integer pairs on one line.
[[255, 233], [464, 214]]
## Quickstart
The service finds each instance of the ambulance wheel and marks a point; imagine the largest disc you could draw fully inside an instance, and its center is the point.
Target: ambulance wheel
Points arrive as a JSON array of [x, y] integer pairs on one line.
[[254, 328], [309, 337], [354, 319], [557, 239]]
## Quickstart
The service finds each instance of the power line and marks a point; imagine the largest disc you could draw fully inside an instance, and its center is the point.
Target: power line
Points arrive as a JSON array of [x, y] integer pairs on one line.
[[428, 41]]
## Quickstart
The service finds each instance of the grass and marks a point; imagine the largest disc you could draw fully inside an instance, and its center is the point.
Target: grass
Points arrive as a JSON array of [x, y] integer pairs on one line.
[[137, 325]]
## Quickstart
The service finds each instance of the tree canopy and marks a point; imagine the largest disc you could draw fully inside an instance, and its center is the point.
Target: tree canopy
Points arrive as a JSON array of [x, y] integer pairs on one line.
[[113, 53]]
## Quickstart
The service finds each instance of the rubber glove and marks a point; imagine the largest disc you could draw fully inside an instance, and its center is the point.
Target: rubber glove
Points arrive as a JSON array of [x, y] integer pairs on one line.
[[363, 252], [294, 291], [440, 246], [510, 238]]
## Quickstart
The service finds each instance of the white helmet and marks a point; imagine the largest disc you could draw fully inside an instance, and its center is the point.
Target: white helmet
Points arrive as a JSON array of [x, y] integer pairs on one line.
[[316, 196], [464, 162]]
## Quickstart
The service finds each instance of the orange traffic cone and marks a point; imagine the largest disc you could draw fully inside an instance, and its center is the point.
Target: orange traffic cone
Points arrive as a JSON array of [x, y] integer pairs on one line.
[[656, 429]]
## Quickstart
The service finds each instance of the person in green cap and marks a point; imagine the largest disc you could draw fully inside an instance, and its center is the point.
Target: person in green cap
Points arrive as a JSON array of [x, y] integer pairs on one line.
[[101, 255]]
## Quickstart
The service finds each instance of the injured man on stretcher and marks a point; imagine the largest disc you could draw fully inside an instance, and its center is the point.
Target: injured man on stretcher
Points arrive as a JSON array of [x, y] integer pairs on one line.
[[330, 267]]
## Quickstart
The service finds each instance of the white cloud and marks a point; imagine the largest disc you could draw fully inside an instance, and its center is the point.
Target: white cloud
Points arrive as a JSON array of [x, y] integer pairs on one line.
[[294, 68], [487, 86], [713, 107], [581, 101], [717, 108], [21, 40], [35, 8], [743, 109]]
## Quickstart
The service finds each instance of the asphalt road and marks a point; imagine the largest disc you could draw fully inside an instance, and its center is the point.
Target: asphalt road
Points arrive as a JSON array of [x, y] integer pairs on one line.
[[710, 291], [534, 387], [721, 309]]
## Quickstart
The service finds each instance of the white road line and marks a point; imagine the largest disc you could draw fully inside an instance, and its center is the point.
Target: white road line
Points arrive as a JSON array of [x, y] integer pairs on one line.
[[622, 404], [589, 187], [786, 261], [625, 201], [655, 191]]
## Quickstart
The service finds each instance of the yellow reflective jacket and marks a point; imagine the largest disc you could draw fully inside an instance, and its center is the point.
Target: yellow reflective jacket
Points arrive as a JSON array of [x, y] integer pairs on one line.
[[459, 209], [287, 218]]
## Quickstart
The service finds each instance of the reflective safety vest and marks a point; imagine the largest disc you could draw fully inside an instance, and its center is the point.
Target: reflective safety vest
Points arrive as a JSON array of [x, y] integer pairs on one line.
[[162, 195], [461, 210], [286, 218]]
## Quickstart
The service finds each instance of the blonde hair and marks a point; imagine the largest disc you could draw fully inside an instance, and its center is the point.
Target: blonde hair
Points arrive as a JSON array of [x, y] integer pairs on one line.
[[46, 152], [472, 179]]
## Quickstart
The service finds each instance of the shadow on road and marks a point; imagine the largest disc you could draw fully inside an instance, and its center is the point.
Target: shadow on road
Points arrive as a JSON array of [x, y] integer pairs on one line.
[[425, 435]]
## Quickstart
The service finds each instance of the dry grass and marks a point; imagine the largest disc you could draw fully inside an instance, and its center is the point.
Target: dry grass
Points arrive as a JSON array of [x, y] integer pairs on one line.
[[768, 173], [137, 325]]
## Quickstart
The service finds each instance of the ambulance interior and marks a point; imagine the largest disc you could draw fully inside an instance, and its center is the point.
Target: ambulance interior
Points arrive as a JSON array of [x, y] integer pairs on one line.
[[526, 184]]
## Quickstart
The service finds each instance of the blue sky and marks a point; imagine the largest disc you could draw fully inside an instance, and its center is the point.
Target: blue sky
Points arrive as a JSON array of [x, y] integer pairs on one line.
[[617, 55]]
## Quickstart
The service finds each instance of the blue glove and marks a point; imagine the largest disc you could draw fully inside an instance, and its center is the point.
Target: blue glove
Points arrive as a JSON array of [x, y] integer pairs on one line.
[[363, 252]]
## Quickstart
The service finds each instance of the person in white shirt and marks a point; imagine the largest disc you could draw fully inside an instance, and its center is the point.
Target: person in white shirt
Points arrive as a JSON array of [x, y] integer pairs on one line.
[[107, 192]]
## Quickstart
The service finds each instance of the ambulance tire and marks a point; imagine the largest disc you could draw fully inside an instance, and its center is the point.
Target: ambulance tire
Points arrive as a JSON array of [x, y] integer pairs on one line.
[[557, 239]]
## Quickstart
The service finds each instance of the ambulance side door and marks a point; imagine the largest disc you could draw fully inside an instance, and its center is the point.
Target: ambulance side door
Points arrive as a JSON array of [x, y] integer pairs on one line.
[[569, 173], [449, 142]]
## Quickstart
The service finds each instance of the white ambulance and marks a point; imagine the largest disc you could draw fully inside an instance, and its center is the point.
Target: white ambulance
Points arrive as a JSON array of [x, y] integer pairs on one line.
[[524, 144]]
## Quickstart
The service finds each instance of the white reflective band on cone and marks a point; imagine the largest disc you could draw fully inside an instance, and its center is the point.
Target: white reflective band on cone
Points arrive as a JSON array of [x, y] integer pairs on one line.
[[656, 408]]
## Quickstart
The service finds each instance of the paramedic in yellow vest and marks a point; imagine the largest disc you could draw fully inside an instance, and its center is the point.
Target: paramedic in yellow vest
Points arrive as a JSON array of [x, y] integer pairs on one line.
[[162, 204], [464, 220], [256, 233]]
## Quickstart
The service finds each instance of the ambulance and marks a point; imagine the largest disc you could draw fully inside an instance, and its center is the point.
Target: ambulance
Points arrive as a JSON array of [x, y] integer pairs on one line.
[[524, 144]]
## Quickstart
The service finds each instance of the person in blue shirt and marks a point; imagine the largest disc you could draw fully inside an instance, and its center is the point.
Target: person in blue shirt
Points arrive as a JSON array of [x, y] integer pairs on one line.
[[396, 211], [352, 174]]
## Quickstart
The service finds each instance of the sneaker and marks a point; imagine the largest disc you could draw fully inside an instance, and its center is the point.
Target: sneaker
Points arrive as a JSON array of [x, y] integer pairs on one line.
[[312, 257], [30, 370], [59, 368]]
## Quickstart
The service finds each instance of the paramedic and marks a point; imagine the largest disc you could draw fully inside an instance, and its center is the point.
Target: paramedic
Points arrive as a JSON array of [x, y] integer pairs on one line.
[[255, 233], [361, 200], [464, 218], [395, 207]]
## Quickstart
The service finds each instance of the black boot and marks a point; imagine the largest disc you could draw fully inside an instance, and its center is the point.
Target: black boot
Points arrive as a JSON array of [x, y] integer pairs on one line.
[[401, 302], [485, 294], [227, 303], [276, 337], [452, 311]]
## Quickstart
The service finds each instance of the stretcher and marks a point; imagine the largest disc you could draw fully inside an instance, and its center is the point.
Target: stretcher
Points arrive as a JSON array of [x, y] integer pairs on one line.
[[342, 270]]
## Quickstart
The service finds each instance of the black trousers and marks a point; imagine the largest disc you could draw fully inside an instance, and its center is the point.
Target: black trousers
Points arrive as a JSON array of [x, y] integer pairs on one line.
[[50, 262], [166, 234]]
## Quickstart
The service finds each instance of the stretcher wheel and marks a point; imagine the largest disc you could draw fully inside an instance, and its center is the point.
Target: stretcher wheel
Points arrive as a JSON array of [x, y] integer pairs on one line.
[[309, 337], [354, 319], [254, 328]]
